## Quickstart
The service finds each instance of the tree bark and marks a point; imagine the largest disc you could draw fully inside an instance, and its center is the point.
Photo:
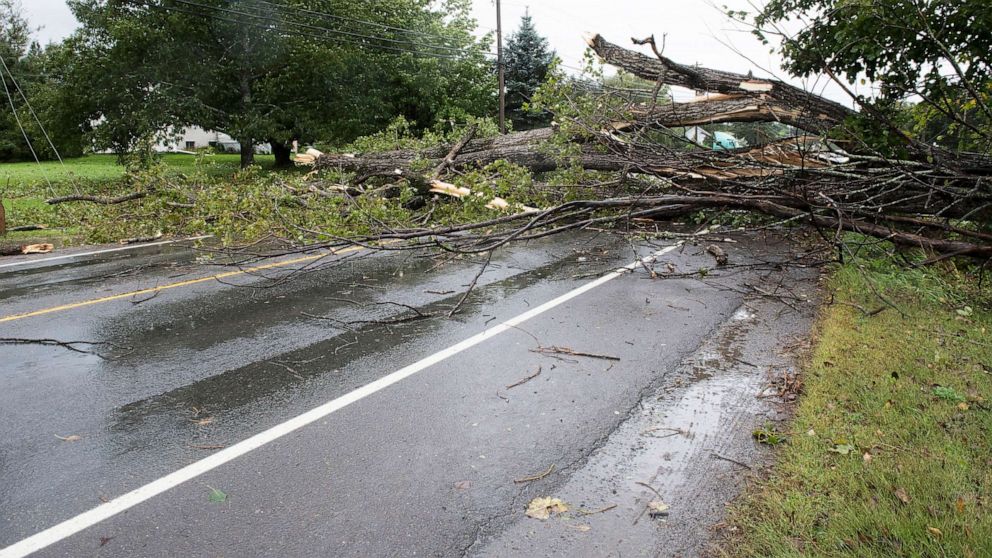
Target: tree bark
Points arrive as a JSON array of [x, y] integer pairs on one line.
[[721, 109], [670, 72], [247, 152]]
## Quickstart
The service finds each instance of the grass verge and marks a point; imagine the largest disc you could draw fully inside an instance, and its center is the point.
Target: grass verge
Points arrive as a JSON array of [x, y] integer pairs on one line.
[[890, 452]]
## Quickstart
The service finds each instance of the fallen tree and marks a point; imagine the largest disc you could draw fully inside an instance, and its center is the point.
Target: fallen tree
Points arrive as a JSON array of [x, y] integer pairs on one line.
[[929, 200]]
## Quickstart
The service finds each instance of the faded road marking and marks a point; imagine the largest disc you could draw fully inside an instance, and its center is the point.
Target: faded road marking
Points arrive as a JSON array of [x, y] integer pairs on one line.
[[169, 286]]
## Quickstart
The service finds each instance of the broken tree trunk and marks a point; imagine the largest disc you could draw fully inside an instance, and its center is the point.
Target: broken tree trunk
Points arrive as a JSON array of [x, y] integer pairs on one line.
[[668, 72], [931, 201]]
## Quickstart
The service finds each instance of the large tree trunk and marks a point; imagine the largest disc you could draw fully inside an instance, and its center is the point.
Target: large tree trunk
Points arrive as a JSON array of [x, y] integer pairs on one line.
[[670, 72], [247, 152], [800, 178], [283, 154]]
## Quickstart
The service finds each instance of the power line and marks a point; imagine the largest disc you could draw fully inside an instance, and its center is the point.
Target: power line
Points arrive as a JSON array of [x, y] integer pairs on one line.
[[17, 86], [308, 35], [326, 36], [37, 119], [326, 15], [24, 132], [451, 51]]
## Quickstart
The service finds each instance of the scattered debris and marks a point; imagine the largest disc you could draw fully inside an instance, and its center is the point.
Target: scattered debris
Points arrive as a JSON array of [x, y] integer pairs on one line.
[[902, 495], [769, 435], [217, 496], [718, 254], [601, 510], [70, 438], [657, 508], [97, 199], [543, 508], [734, 461], [26, 249], [537, 476], [137, 301], [673, 432], [37, 248], [27, 228], [463, 485], [140, 239], [68, 345], [556, 350], [525, 380]]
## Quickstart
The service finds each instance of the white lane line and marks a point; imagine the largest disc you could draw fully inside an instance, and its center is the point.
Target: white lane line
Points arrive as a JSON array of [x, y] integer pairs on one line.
[[105, 251], [96, 515]]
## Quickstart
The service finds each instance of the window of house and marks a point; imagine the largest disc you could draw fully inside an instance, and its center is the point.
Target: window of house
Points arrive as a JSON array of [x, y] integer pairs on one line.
[[191, 145]]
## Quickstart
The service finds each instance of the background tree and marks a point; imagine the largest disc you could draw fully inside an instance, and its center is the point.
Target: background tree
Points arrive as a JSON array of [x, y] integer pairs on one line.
[[527, 60], [28, 80], [932, 53], [273, 71]]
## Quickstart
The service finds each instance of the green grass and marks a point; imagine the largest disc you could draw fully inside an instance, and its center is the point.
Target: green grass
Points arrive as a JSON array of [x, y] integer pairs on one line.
[[24, 187], [890, 452], [31, 179]]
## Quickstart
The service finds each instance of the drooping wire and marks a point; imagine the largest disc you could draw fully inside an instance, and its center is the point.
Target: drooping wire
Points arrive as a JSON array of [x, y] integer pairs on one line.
[[41, 126], [17, 118]]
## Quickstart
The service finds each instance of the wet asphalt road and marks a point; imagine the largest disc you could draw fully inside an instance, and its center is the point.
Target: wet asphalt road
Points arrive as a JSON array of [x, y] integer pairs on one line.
[[424, 467]]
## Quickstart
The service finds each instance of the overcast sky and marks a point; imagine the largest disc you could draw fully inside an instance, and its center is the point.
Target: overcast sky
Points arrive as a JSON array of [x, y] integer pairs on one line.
[[697, 31]]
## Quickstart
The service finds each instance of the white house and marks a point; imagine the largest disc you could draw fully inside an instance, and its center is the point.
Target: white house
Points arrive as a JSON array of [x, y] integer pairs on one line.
[[195, 137]]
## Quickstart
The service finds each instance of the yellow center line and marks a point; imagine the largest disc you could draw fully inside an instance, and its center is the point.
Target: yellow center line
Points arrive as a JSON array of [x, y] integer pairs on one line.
[[111, 298]]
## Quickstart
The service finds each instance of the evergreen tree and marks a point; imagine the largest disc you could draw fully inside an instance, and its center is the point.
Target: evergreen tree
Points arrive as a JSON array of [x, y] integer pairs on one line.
[[527, 61]]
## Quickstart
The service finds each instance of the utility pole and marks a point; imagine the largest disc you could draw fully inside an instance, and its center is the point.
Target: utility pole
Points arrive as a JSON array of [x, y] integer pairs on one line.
[[500, 69]]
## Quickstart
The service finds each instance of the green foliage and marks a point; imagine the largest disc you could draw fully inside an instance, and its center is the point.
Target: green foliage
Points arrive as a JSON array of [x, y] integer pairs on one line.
[[217, 496], [883, 463], [948, 394], [27, 102], [769, 435], [139, 69], [936, 52], [403, 134], [527, 61]]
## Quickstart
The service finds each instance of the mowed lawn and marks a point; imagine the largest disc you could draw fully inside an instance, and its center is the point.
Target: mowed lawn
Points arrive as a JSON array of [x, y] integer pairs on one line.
[[25, 186], [29, 179]]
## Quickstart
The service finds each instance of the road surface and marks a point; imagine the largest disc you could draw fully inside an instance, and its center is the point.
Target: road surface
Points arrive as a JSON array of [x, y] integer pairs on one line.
[[313, 405]]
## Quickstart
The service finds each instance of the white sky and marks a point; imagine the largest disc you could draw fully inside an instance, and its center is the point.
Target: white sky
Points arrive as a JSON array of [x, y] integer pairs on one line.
[[697, 31]]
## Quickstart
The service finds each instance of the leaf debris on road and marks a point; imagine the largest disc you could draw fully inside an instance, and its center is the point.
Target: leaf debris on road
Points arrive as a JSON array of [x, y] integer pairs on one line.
[[543, 508]]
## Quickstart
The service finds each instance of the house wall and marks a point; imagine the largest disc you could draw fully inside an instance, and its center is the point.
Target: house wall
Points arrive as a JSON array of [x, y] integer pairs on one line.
[[195, 137]]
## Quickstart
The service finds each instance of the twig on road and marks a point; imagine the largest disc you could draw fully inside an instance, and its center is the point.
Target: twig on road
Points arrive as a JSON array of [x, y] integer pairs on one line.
[[601, 510], [456, 307], [536, 477], [525, 380], [556, 350], [68, 345]]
